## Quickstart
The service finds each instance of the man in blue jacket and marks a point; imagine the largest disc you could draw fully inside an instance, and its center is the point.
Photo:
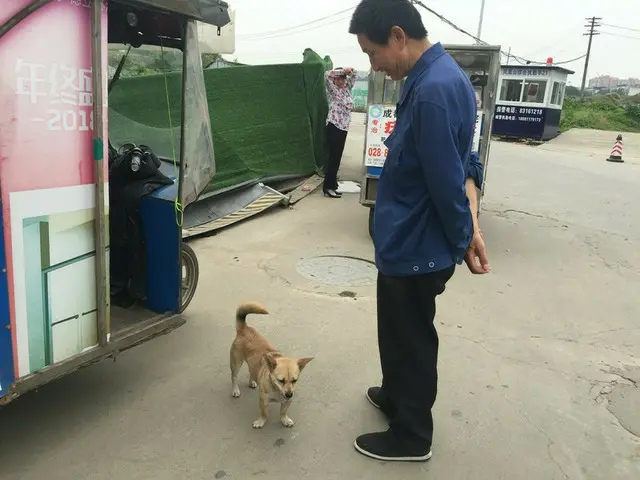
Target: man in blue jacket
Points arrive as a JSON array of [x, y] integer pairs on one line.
[[423, 223]]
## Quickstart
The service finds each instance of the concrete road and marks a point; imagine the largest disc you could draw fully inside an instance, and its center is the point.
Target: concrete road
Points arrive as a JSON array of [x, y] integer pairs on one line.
[[539, 367], [596, 144]]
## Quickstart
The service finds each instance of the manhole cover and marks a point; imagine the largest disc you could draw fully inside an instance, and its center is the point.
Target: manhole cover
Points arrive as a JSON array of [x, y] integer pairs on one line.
[[338, 270]]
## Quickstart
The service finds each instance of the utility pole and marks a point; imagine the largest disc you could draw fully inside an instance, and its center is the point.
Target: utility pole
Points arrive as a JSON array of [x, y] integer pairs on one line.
[[593, 23], [480, 19]]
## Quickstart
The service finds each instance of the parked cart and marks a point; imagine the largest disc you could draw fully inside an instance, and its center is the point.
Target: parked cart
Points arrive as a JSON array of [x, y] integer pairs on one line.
[[64, 235], [480, 62]]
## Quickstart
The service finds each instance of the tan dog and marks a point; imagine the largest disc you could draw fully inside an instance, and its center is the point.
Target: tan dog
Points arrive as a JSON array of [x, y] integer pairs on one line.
[[274, 374]]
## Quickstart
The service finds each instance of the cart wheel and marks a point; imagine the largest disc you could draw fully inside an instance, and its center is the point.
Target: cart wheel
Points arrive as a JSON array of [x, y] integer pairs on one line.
[[371, 222], [190, 274]]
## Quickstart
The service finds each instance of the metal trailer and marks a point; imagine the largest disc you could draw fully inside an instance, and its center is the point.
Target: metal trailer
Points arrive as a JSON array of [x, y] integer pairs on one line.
[[56, 315], [480, 62]]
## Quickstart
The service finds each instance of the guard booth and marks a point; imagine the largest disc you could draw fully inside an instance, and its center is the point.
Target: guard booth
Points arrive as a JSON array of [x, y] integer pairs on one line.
[[480, 62], [530, 101]]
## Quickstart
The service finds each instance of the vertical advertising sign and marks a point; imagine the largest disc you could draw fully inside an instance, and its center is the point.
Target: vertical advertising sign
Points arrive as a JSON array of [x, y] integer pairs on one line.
[[47, 180], [381, 120]]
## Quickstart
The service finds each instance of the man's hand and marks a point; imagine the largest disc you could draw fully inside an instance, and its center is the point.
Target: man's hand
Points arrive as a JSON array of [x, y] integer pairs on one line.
[[476, 257]]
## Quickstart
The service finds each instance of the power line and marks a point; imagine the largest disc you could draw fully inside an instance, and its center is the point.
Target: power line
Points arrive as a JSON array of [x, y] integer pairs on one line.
[[521, 60], [570, 61], [260, 35], [284, 32], [287, 34], [621, 27], [448, 22], [620, 35], [593, 23], [554, 42]]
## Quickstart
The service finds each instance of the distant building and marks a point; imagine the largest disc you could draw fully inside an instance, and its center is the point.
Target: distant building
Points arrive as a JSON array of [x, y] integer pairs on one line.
[[222, 63], [607, 81], [604, 81]]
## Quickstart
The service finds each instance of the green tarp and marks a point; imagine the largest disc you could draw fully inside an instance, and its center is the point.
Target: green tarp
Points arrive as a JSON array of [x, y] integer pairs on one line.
[[310, 56], [266, 120]]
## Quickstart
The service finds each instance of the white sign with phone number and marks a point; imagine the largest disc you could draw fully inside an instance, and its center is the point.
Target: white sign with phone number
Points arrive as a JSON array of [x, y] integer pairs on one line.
[[380, 123], [381, 120]]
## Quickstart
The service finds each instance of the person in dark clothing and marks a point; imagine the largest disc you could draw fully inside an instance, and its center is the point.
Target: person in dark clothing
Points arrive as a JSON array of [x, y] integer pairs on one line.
[[339, 83], [424, 224]]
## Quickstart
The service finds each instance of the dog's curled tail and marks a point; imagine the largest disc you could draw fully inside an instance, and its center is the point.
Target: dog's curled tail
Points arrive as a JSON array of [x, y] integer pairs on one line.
[[244, 310]]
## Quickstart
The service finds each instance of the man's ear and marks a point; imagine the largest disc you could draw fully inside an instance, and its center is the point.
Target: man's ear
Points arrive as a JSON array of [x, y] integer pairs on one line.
[[397, 35], [271, 361], [302, 362]]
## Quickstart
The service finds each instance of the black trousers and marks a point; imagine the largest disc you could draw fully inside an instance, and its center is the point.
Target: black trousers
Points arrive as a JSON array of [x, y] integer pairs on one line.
[[408, 344], [336, 139]]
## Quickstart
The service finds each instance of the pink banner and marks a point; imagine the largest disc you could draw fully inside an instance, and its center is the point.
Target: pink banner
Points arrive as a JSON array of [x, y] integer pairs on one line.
[[46, 109], [46, 97]]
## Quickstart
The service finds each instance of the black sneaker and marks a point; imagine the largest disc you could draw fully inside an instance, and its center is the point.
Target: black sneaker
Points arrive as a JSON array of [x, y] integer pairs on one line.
[[373, 395], [384, 446], [377, 399]]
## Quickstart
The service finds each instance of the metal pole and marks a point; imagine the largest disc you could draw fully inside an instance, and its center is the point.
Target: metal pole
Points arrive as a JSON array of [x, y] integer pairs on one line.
[[480, 19], [98, 157], [508, 55]]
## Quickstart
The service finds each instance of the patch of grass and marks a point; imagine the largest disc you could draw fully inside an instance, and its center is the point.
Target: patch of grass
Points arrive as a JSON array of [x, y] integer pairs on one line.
[[607, 112]]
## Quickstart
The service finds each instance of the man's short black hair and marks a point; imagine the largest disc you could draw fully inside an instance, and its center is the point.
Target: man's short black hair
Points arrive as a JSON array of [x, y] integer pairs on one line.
[[375, 18]]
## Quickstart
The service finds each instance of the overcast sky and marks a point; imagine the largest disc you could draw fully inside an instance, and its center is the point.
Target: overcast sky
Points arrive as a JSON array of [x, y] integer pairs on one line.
[[534, 30]]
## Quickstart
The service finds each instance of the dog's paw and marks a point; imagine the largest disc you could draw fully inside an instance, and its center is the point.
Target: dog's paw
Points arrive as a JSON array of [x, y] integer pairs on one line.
[[287, 422], [259, 423], [252, 384], [235, 392]]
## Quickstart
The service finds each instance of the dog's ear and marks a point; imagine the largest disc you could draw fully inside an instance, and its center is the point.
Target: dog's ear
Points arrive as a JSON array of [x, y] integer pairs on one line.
[[271, 361], [302, 362]]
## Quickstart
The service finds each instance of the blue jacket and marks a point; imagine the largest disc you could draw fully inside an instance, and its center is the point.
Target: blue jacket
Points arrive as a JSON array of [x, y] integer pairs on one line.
[[422, 219], [476, 170]]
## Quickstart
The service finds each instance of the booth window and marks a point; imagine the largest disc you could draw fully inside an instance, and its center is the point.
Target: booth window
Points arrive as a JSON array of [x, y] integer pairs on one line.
[[511, 90], [534, 91], [557, 93]]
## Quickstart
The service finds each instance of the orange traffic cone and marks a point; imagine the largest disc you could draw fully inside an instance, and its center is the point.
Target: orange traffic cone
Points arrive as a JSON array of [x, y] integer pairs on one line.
[[616, 152]]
